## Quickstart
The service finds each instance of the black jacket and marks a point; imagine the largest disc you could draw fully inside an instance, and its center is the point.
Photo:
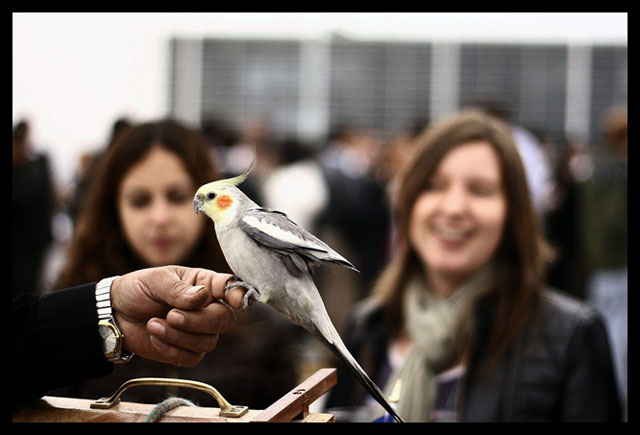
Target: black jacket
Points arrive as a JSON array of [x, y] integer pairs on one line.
[[55, 341], [564, 373]]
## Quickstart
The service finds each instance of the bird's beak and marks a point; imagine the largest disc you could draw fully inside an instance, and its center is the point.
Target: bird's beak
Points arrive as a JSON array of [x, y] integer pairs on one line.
[[198, 203]]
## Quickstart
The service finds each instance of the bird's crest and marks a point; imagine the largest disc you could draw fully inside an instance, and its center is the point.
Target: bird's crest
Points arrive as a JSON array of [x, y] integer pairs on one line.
[[234, 181]]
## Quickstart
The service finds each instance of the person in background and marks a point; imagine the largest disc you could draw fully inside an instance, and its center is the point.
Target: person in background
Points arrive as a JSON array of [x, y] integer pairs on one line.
[[353, 220], [136, 208], [356, 210], [605, 235], [87, 166], [296, 185], [561, 231], [460, 325], [138, 214], [32, 207], [254, 137], [536, 163]]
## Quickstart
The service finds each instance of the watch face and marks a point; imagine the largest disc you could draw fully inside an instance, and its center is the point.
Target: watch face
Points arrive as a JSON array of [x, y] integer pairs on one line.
[[109, 341]]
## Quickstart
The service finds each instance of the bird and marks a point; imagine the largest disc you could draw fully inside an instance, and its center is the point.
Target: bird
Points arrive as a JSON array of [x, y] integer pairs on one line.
[[272, 258]]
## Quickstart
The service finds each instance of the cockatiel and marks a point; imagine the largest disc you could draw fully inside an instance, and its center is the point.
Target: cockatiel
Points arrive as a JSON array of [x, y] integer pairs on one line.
[[272, 257]]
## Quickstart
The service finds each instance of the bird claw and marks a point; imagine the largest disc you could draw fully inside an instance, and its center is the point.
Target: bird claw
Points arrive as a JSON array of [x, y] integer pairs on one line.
[[250, 296]]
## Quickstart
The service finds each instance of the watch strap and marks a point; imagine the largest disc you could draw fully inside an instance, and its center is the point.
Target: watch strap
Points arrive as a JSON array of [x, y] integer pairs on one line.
[[103, 298], [105, 314]]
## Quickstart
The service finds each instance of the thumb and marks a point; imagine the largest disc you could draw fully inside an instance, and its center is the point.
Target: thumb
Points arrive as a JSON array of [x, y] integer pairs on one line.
[[187, 296]]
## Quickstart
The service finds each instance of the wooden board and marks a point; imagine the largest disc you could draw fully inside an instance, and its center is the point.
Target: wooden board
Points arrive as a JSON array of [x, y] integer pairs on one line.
[[292, 407]]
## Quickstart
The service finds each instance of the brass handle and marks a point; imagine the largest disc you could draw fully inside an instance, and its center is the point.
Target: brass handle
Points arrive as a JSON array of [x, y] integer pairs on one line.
[[226, 409]]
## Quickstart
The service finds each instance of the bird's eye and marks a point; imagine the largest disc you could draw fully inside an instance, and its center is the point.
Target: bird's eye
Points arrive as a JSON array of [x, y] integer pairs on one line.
[[211, 195]]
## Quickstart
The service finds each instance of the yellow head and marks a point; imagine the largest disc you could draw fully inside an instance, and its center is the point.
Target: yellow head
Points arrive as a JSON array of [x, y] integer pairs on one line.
[[221, 199]]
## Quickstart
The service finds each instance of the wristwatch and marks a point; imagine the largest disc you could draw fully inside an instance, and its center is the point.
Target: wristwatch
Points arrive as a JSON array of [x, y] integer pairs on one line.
[[112, 337]]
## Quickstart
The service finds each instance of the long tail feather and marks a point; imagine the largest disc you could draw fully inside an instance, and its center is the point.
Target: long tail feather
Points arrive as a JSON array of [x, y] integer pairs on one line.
[[340, 350]]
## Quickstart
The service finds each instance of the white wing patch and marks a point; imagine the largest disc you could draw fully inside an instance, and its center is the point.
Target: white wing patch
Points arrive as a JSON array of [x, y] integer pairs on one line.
[[280, 233], [275, 231]]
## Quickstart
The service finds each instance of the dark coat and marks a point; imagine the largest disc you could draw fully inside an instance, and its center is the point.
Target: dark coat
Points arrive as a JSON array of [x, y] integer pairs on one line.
[[49, 353], [564, 373]]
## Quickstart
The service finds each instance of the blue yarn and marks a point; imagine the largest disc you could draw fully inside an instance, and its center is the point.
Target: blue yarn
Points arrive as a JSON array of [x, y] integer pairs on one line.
[[165, 406]]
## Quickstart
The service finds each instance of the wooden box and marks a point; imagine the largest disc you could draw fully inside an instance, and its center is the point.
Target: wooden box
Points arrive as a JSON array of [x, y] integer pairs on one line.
[[292, 407]]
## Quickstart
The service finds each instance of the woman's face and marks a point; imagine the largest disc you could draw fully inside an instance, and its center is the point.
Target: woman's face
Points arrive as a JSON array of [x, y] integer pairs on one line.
[[154, 204], [457, 222]]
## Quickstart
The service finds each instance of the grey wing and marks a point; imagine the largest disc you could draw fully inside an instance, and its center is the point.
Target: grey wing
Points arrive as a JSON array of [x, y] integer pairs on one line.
[[298, 248]]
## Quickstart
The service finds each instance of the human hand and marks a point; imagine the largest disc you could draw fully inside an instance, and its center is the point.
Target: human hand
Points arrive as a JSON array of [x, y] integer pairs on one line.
[[173, 314]]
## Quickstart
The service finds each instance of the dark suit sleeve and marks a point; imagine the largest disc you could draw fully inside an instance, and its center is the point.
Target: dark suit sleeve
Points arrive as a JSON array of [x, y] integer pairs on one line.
[[590, 392], [55, 341]]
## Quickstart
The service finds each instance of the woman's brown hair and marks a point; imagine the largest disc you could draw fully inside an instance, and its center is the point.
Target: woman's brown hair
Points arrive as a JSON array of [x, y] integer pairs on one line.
[[522, 253], [98, 248]]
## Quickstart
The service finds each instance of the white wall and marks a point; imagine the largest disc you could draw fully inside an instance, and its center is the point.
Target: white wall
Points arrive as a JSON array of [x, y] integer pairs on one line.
[[75, 73]]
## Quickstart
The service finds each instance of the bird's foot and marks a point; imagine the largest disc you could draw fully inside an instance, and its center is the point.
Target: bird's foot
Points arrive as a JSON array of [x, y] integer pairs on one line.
[[250, 296]]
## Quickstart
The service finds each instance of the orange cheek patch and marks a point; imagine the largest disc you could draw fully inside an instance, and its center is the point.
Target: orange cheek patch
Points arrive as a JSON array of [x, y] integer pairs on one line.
[[224, 201]]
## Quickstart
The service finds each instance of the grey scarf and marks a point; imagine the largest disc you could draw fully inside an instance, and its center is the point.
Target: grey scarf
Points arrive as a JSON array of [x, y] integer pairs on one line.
[[430, 322]]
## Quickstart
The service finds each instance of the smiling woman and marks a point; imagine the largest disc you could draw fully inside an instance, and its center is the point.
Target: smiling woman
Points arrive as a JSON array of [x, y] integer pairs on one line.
[[457, 221], [460, 324]]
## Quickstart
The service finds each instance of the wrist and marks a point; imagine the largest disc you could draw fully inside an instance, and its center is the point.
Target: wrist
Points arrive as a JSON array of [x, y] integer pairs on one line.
[[111, 334], [115, 294]]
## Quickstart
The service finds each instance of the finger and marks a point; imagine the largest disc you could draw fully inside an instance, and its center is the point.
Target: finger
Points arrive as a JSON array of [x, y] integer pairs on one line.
[[189, 297], [214, 282], [235, 297], [215, 318], [175, 355], [162, 331], [141, 342]]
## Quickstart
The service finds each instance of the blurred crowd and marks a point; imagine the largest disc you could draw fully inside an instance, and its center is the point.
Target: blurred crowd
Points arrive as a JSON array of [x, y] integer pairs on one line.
[[342, 190]]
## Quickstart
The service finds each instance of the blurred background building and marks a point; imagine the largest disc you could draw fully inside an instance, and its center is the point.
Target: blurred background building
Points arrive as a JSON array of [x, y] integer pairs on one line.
[[306, 88], [73, 74]]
